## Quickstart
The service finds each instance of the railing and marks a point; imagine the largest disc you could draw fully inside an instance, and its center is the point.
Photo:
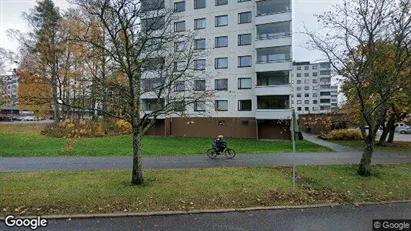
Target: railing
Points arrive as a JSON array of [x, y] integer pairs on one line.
[[272, 36], [273, 13], [273, 61]]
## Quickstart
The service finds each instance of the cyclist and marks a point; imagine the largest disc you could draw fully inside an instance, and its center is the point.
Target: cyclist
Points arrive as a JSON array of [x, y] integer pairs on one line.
[[219, 144]]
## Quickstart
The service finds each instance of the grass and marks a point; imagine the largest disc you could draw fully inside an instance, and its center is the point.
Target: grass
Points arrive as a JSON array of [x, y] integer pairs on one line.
[[25, 140], [395, 147], [74, 192]]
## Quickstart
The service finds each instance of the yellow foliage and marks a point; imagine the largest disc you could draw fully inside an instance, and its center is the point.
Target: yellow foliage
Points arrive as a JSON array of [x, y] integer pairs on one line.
[[124, 125]]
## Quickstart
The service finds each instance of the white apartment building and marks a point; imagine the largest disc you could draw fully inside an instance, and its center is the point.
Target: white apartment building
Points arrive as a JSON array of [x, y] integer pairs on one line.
[[314, 92], [249, 65]]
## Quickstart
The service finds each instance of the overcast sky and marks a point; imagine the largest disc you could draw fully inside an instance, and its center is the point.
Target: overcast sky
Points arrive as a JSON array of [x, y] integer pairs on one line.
[[303, 11]]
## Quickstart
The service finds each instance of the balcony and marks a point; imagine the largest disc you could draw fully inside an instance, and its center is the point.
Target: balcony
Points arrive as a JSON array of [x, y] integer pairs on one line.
[[274, 59], [275, 114], [273, 90], [283, 39], [273, 11], [274, 65]]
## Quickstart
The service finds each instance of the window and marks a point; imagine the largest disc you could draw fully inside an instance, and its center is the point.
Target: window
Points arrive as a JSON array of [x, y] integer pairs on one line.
[[199, 106], [307, 88], [180, 6], [299, 101], [315, 95], [199, 85], [221, 2], [307, 109], [179, 46], [151, 24], [298, 88], [299, 68], [306, 102], [244, 61], [298, 74], [244, 105], [221, 63], [326, 93], [306, 74], [298, 108], [221, 20], [315, 67], [221, 84], [199, 4], [179, 26], [199, 44], [200, 23], [152, 104], [315, 108], [221, 41], [221, 105], [315, 101], [327, 72], [325, 65], [179, 66], [315, 73], [306, 95], [306, 68], [180, 86], [244, 39], [244, 17], [325, 101], [149, 5], [298, 81], [200, 64], [179, 106], [152, 64], [315, 81], [244, 83], [315, 88], [244, 0], [298, 95]]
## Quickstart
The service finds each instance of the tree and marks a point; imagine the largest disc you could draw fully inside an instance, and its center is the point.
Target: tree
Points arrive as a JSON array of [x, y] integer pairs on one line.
[[149, 80], [368, 43], [45, 19]]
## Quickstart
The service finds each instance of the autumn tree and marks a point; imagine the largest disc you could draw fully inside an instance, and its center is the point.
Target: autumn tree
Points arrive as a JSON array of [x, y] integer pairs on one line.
[[153, 67], [368, 43]]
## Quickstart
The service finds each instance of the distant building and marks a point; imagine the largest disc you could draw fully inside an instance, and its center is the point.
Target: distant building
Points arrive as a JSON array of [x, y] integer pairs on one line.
[[314, 92], [8, 89]]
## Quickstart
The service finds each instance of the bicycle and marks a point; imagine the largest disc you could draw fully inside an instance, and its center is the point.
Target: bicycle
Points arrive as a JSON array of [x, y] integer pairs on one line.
[[229, 153]]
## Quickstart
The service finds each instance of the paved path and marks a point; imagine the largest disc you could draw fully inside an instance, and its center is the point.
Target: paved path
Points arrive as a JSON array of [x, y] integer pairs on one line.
[[337, 218], [15, 164], [335, 147]]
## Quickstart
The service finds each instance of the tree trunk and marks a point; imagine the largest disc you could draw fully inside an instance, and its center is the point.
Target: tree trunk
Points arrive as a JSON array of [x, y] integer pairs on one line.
[[365, 164], [384, 134], [391, 128], [137, 177]]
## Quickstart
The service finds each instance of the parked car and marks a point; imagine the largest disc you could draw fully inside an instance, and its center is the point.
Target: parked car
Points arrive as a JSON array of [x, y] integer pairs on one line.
[[28, 118], [403, 128]]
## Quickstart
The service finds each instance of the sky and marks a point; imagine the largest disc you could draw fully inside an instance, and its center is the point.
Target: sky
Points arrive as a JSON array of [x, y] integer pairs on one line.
[[303, 14]]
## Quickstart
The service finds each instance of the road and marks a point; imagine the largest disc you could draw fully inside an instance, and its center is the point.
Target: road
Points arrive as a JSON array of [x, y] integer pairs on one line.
[[15, 164], [337, 218]]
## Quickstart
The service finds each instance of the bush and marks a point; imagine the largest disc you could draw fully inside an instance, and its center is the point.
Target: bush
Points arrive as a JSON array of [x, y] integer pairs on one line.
[[343, 134], [80, 129]]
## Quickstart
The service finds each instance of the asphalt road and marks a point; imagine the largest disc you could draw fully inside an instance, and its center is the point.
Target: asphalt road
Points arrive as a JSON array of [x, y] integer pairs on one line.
[[337, 218], [13, 164]]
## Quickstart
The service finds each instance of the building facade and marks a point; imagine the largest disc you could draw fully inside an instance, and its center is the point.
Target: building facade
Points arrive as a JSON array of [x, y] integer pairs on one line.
[[314, 91], [9, 90], [249, 61]]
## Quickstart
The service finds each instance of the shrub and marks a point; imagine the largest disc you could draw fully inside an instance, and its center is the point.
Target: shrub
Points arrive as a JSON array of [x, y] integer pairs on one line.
[[343, 134], [80, 129]]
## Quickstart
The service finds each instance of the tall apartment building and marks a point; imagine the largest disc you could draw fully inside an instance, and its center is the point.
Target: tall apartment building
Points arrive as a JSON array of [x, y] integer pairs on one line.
[[250, 66], [9, 85], [314, 92]]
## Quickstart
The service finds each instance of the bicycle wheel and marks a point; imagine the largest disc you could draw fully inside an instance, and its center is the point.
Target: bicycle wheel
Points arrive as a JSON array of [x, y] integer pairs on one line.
[[211, 153], [229, 153]]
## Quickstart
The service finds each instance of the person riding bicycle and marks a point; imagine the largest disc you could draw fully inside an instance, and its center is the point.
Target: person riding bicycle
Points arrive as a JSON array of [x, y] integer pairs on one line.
[[219, 145]]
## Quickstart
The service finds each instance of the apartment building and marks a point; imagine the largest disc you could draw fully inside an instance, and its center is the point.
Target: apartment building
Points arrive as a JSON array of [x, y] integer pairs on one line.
[[9, 85], [249, 65], [314, 92]]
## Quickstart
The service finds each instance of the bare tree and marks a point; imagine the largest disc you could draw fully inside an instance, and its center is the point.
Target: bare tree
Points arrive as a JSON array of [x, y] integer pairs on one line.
[[368, 43], [153, 68]]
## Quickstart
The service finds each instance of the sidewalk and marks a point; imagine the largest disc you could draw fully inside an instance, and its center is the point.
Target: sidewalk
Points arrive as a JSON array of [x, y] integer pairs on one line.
[[24, 164], [335, 147]]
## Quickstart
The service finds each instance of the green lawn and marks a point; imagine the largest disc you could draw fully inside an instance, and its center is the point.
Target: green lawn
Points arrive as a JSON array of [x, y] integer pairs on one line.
[[74, 192], [395, 147], [25, 140]]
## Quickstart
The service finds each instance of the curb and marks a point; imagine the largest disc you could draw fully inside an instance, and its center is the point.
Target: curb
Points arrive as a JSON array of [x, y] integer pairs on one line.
[[170, 213]]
